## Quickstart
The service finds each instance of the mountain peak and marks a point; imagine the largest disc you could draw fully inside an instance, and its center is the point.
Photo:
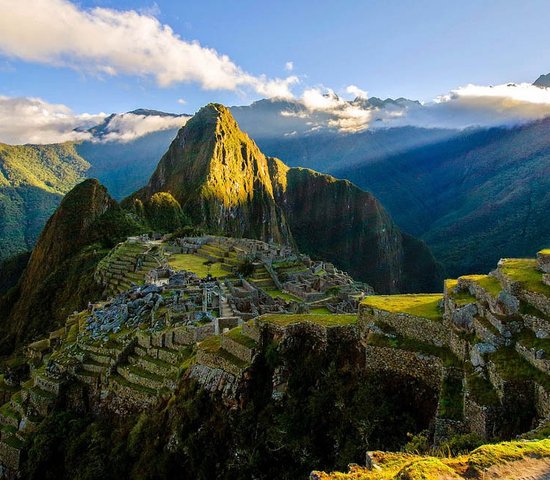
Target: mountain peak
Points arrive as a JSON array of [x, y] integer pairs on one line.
[[543, 81]]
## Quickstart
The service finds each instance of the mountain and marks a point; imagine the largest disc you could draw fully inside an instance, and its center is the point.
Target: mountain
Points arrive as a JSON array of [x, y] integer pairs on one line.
[[225, 183], [542, 81], [474, 198], [58, 278], [34, 178]]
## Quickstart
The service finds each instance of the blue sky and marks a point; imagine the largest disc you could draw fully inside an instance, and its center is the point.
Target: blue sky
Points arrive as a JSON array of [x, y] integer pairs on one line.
[[414, 49]]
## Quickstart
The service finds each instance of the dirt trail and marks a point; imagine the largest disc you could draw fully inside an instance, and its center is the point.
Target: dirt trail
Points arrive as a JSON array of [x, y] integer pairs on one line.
[[528, 469]]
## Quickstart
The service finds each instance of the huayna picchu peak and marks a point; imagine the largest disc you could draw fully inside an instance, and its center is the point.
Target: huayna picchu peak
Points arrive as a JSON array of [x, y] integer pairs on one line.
[[225, 184]]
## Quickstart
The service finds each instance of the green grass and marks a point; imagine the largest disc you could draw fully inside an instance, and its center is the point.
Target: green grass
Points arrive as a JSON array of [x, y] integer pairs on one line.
[[320, 311], [487, 455], [422, 305], [198, 265], [237, 335], [284, 295], [511, 366], [524, 271], [490, 284], [460, 298], [330, 320], [211, 344], [530, 340]]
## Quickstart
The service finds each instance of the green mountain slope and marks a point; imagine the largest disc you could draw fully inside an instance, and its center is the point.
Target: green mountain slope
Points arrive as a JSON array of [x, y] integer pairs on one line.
[[33, 178], [474, 199]]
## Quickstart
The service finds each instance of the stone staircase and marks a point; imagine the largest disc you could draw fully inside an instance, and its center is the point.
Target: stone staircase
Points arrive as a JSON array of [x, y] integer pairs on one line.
[[261, 278]]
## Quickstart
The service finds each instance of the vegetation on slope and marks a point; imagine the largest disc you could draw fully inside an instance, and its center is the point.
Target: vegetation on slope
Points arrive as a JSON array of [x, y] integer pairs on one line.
[[33, 179], [473, 465]]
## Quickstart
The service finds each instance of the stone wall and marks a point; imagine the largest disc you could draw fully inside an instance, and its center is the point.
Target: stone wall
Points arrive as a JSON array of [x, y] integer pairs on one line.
[[218, 361], [10, 456], [530, 355], [237, 349], [427, 368], [422, 329], [479, 419], [542, 401], [252, 331]]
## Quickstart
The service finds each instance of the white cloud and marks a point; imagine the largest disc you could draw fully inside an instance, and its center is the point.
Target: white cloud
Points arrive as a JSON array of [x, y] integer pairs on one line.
[[32, 120], [126, 127], [182, 101], [289, 66], [478, 105], [325, 108], [112, 42], [356, 91]]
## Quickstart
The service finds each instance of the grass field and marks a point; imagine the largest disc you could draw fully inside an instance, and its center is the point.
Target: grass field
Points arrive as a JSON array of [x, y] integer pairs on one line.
[[424, 305], [194, 263]]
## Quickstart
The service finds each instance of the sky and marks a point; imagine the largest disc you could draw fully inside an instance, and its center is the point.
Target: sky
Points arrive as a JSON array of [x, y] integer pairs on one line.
[[102, 56]]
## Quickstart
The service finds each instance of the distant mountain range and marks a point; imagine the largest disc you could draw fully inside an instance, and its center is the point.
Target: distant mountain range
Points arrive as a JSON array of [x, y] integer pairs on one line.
[[473, 195]]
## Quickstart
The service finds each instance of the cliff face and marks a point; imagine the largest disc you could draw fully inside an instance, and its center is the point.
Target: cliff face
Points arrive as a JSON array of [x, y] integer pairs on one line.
[[334, 220], [225, 183]]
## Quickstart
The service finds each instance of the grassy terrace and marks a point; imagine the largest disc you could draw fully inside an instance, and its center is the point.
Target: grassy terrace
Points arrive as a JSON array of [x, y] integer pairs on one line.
[[524, 271], [330, 320], [424, 305], [487, 282], [460, 298], [237, 335], [194, 263], [511, 366], [412, 345], [213, 345], [284, 295]]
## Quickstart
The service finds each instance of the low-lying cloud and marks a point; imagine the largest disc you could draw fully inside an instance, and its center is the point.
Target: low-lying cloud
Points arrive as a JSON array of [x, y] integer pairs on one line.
[[112, 42], [468, 106], [126, 127], [32, 120]]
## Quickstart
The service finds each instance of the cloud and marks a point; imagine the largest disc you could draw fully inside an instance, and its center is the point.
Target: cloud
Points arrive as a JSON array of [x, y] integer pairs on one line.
[[467, 106], [289, 66], [126, 127], [356, 91], [182, 101], [478, 106], [326, 109], [32, 120], [112, 42]]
